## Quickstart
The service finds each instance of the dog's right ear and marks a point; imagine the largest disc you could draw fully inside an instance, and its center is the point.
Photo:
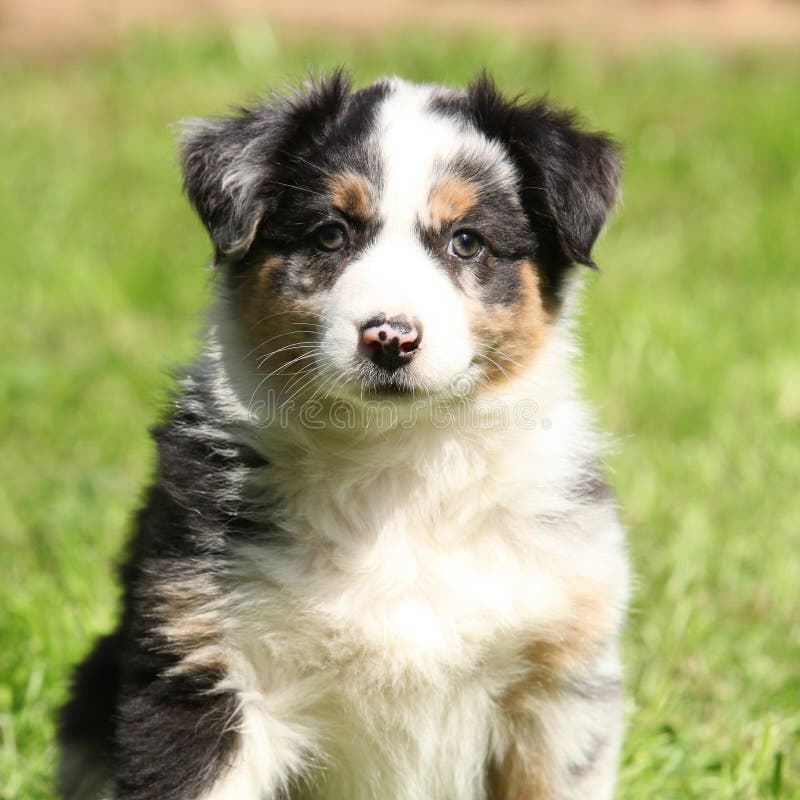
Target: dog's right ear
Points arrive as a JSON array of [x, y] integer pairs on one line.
[[231, 165], [225, 166]]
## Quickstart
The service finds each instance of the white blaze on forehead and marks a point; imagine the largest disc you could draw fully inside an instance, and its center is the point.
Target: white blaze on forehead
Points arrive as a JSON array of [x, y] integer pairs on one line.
[[396, 274], [416, 146]]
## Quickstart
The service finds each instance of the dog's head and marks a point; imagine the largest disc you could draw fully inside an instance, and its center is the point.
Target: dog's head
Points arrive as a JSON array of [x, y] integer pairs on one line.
[[400, 237]]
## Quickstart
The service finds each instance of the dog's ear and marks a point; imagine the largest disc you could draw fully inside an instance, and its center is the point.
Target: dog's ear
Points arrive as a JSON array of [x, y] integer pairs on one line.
[[232, 165], [225, 163], [568, 175]]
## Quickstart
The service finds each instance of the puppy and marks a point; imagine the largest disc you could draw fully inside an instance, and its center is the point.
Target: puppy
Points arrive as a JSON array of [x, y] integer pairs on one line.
[[378, 559]]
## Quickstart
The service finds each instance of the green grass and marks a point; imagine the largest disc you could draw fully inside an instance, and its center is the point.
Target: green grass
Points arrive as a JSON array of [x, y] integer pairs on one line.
[[692, 336]]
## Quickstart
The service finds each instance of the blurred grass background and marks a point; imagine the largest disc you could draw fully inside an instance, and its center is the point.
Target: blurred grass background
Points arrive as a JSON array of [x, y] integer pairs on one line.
[[692, 335]]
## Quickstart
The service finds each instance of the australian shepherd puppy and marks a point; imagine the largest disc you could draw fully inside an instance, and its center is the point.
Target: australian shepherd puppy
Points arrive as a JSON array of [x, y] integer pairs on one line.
[[378, 559]]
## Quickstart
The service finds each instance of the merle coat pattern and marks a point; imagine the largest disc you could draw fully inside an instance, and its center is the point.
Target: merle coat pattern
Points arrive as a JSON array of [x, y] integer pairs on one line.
[[319, 605]]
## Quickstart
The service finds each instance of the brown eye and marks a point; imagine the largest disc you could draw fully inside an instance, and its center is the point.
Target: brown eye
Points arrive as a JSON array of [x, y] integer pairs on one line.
[[330, 237], [465, 244]]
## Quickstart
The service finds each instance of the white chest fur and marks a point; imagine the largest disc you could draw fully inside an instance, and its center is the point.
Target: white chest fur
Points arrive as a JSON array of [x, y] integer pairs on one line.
[[376, 644]]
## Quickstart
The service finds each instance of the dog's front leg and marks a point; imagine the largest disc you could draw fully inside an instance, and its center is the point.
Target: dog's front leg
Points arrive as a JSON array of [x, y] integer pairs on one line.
[[179, 738], [559, 745]]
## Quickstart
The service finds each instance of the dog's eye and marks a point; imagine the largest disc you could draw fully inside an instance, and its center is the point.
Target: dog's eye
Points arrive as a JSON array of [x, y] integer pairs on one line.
[[330, 237], [465, 244]]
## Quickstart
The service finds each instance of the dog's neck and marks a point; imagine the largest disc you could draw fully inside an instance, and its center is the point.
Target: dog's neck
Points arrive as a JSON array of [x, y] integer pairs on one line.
[[433, 457]]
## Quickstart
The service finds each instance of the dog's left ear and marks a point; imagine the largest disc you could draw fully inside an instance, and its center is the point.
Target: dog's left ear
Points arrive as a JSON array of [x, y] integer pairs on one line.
[[568, 175]]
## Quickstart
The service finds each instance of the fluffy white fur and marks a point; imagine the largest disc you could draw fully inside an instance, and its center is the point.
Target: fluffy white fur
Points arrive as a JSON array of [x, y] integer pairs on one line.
[[368, 654], [418, 562]]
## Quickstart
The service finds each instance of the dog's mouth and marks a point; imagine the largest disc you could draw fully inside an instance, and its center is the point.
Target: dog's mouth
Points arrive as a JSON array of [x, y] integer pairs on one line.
[[389, 391], [375, 383], [405, 384], [365, 373]]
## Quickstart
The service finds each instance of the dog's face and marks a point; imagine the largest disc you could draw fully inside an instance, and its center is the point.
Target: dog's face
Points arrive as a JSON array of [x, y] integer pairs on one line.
[[397, 239]]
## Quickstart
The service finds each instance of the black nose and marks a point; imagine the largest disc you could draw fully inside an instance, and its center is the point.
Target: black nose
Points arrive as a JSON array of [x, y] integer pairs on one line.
[[390, 343]]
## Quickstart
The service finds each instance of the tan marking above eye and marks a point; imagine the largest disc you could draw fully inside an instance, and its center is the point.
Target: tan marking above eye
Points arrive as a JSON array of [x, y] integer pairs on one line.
[[450, 200], [352, 194]]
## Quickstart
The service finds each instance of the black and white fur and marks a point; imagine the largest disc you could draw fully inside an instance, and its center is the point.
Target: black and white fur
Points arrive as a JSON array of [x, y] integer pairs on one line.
[[317, 606]]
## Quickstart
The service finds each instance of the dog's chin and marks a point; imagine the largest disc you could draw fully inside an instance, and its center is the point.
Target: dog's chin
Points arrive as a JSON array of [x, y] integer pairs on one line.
[[364, 382], [404, 389], [395, 387], [391, 391]]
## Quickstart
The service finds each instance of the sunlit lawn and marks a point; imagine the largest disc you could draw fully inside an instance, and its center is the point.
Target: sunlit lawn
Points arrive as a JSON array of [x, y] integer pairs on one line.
[[692, 355]]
